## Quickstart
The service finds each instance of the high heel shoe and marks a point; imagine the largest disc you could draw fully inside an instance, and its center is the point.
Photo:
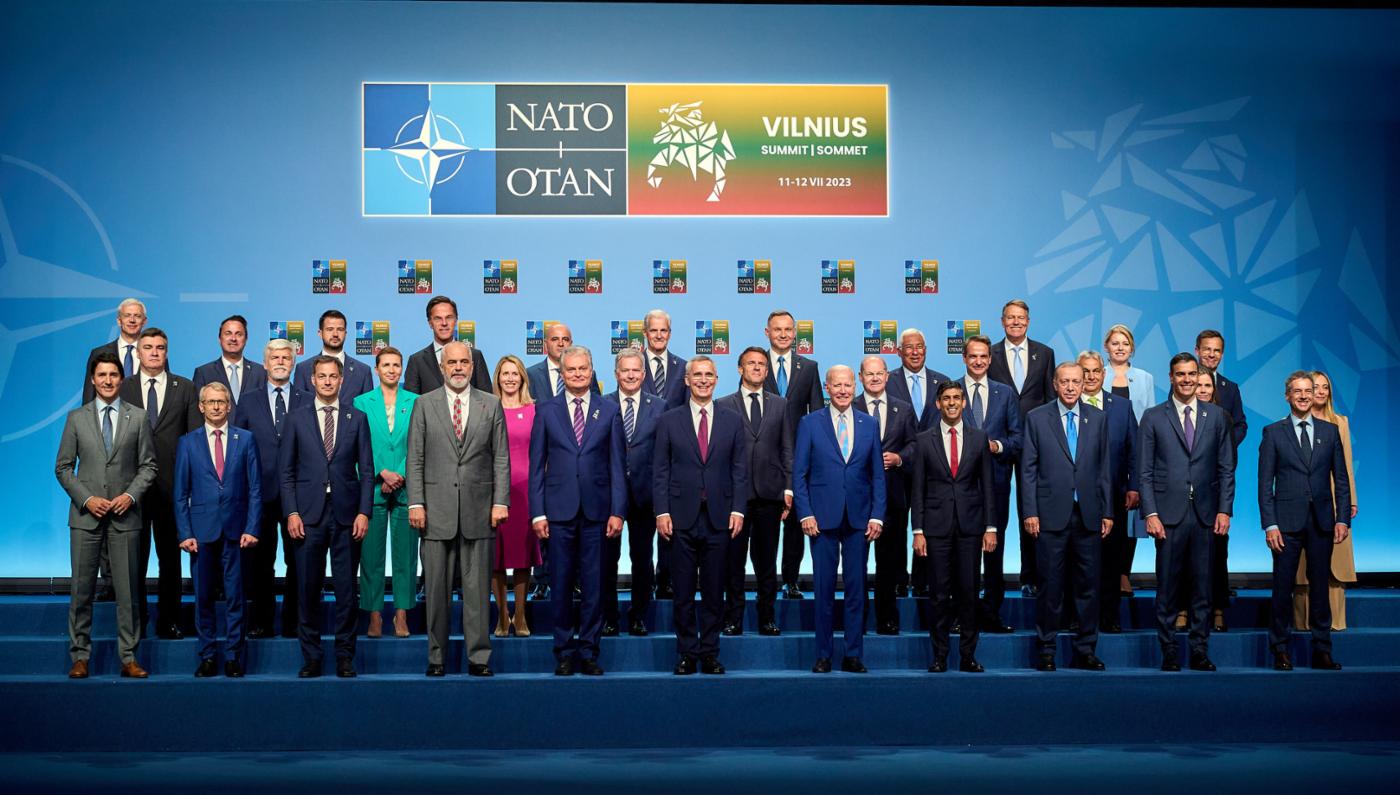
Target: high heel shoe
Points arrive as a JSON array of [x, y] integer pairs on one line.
[[521, 631], [400, 624], [376, 625], [502, 630]]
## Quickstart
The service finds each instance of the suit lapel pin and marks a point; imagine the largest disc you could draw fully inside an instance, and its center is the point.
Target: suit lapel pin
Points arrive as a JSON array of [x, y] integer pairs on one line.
[[595, 415]]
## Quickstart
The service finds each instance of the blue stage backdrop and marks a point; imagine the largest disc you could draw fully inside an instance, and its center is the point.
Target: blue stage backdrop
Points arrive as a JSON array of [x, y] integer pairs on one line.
[[1168, 169]]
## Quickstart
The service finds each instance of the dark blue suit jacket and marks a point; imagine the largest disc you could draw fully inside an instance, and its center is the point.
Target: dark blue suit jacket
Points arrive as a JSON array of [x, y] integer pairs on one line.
[[898, 387], [804, 388], [355, 378], [937, 497], [676, 390], [305, 470], [1174, 481], [256, 416], [1227, 396], [1001, 424], [829, 488], [1122, 445], [538, 373], [639, 451], [770, 445], [252, 376], [567, 478], [1051, 482], [679, 476], [900, 430], [206, 508], [1290, 488]]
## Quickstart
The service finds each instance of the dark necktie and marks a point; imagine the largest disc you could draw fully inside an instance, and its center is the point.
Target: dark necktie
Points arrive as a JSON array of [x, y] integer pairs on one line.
[[1304, 442], [328, 431], [152, 410], [219, 454], [130, 365], [578, 421], [107, 429], [875, 412], [658, 376], [279, 413], [755, 411], [1190, 430], [629, 419], [979, 412], [704, 436]]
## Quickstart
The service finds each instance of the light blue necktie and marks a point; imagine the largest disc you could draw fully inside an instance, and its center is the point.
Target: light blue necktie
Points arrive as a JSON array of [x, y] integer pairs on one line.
[[233, 382], [782, 376], [917, 394], [979, 413], [1018, 372], [107, 429], [559, 387], [843, 432], [130, 365], [1072, 435]]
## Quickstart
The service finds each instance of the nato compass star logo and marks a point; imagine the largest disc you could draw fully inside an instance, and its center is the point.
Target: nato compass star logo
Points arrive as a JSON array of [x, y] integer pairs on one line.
[[431, 157], [429, 149]]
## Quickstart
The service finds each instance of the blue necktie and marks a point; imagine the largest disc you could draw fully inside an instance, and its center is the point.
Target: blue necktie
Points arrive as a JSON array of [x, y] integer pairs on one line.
[[1018, 372], [979, 414], [233, 382], [629, 420], [107, 429], [559, 387], [279, 413], [658, 377], [842, 431], [917, 394], [152, 410], [782, 376], [130, 365], [1072, 436]]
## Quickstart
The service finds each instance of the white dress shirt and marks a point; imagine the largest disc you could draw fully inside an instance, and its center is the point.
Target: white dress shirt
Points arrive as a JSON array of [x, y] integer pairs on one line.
[[943, 429], [320, 407], [878, 412], [587, 398], [1181, 412], [836, 417], [773, 357], [161, 380], [209, 438], [451, 398], [116, 405], [985, 389]]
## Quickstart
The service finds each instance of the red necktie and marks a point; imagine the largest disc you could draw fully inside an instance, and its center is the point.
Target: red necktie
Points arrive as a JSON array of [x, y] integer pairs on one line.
[[953, 450], [219, 454], [704, 437]]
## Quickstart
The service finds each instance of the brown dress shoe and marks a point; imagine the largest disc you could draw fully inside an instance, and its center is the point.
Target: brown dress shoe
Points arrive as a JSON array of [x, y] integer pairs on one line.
[[79, 670], [133, 671]]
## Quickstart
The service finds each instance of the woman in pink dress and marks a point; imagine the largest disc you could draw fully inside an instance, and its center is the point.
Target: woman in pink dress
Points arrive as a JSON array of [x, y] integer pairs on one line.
[[516, 545]]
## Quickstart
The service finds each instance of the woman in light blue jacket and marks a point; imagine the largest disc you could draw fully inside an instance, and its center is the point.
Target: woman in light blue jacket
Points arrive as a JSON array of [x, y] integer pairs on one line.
[[1135, 384]]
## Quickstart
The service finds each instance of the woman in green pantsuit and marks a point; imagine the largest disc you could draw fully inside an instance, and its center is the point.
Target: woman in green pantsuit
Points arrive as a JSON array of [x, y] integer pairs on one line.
[[388, 408]]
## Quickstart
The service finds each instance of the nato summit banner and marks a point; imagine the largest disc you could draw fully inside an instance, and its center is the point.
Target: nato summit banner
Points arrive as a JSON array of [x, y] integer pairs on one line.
[[645, 149]]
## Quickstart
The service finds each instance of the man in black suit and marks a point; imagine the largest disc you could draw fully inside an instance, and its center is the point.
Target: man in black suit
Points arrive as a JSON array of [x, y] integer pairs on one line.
[[232, 368], [640, 412], [664, 370], [951, 497], [1068, 510], [1304, 505], [1210, 349], [423, 373], [1122, 466], [770, 493], [327, 469], [897, 432], [1186, 467], [700, 490], [265, 414], [794, 378], [171, 406], [131, 319], [356, 379], [1028, 367], [915, 383]]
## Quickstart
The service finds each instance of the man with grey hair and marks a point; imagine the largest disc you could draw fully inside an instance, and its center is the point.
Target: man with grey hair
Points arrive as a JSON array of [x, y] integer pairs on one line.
[[131, 320], [665, 371], [578, 497]]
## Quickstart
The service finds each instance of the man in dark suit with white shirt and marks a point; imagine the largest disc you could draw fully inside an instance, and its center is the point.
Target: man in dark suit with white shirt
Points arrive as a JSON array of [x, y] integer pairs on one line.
[[770, 494], [1210, 350], [897, 432], [1028, 367], [356, 378], [665, 371], [423, 371], [131, 320], [1305, 506], [232, 368], [1186, 467]]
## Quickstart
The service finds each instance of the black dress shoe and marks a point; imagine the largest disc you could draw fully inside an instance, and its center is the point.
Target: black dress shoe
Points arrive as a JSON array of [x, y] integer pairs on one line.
[[233, 669], [541, 593], [1323, 661], [169, 632], [638, 629], [711, 665], [1282, 662], [956, 628], [590, 668], [564, 668], [1200, 662], [685, 666], [207, 667], [610, 630], [106, 593], [309, 671], [901, 592], [822, 666], [1111, 628], [435, 669], [770, 629], [853, 665], [1171, 664], [665, 592], [732, 630], [1073, 627], [479, 669], [345, 668], [791, 591], [920, 592], [1088, 662], [1030, 591], [939, 665], [997, 627], [887, 629], [970, 665], [259, 632], [1045, 663]]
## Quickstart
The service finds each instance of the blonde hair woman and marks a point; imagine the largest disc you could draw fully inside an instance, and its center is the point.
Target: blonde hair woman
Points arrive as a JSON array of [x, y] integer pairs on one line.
[[1343, 560], [516, 545], [1136, 385]]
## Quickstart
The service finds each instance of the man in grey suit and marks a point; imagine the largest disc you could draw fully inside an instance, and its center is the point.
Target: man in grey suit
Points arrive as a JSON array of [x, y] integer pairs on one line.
[[106, 461], [459, 435]]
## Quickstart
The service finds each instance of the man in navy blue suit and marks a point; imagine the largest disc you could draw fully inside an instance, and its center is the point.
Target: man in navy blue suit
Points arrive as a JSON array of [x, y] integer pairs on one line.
[[327, 468], [1186, 467], [640, 411], [665, 371], [838, 485], [218, 505], [355, 374], [1122, 465], [992, 409], [1067, 509], [897, 431], [578, 495], [232, 368], [700, 489], [1210, 350], [1304, 505], [265, 415]]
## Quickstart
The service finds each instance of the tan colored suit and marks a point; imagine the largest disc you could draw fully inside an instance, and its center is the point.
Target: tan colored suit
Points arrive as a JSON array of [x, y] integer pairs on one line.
[[1343, 558]]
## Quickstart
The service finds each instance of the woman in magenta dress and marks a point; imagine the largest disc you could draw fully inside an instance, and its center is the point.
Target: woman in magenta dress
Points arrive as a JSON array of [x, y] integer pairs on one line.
[[516, 545]]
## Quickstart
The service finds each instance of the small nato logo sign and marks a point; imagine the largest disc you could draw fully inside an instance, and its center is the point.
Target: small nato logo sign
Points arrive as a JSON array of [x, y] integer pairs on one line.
[[745, 269], [829, 269], [955, 329], [320, 269], [491, 269], [660, 269], [872, 329], [534, 329], [913, 269], [577, 269], [704, 329], [619, 329], [406, 270]]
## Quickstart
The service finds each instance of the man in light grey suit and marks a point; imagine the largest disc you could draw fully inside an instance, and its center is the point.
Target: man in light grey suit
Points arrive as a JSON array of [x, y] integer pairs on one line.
[[106, 461], [458, 434]]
